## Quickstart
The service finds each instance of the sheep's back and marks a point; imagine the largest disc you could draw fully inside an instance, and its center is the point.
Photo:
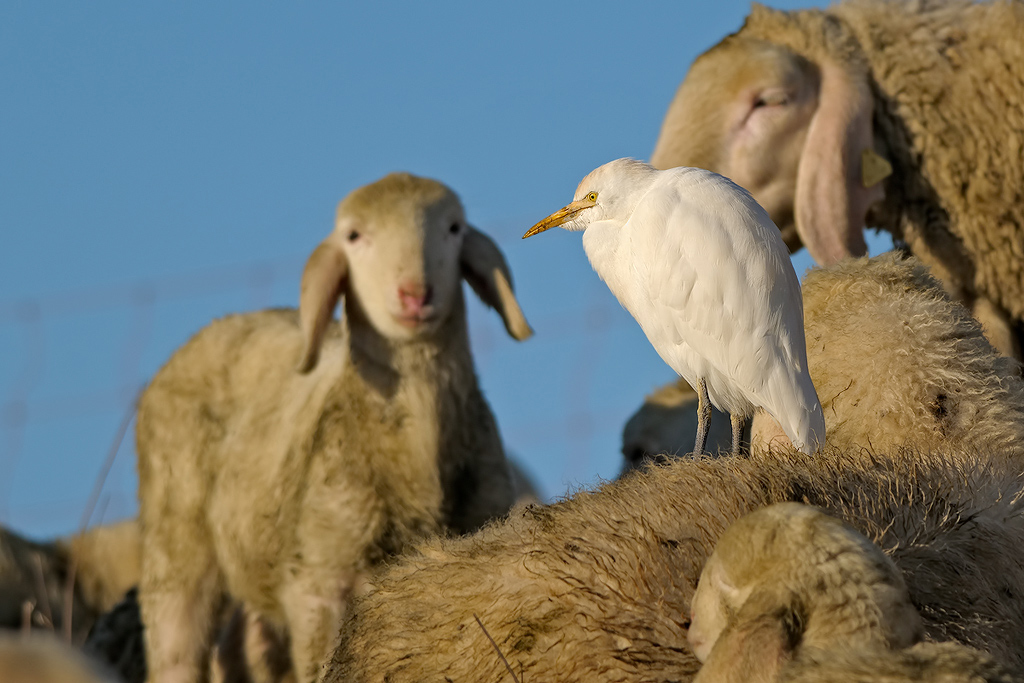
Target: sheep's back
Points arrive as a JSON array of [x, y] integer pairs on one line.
[[896, 362], [597, 587], [234, 380]]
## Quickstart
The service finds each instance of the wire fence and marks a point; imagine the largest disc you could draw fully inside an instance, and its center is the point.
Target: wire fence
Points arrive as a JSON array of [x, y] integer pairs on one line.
[[72, 362], [34, 347]]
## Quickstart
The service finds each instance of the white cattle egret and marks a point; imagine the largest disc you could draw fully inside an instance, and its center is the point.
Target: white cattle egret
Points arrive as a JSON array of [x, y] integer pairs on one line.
[[703, 269]]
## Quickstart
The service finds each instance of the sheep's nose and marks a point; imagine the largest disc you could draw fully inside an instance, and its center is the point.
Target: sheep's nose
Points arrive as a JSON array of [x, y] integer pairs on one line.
[[414, 296]]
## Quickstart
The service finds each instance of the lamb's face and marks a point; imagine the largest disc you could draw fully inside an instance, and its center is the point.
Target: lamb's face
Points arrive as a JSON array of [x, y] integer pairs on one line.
[[403, 260], [398, 251]]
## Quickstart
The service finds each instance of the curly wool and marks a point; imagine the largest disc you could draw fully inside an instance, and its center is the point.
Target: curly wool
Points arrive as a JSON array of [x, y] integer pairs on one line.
[[598, 587], [896, 362]]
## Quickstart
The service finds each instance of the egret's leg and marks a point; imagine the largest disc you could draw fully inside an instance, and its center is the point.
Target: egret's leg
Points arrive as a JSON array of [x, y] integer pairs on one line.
[[737, 432], [703, 416]]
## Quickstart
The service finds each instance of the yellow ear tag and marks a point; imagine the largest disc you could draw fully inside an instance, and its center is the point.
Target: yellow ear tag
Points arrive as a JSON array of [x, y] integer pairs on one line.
[[873, 167]]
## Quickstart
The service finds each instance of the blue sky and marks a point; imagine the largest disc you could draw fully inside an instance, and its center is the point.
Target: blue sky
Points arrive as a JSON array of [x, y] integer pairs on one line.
[[165, 164]]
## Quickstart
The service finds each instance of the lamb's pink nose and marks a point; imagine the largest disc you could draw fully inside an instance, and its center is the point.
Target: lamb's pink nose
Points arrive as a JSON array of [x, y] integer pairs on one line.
[[414, 296]]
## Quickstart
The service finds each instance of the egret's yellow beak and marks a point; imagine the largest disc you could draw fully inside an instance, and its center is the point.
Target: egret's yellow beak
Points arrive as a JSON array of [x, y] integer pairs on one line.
[[563, 215]]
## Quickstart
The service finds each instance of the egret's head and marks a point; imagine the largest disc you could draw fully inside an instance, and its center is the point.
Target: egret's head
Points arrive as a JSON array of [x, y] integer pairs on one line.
[[608, 191]]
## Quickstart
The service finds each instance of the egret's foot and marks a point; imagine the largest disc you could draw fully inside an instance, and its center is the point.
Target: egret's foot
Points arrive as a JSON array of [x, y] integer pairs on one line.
[[703, 417], [737, 433]]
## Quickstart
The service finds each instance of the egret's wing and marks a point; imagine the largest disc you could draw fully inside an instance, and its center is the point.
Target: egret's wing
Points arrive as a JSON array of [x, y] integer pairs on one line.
[[715, 282]]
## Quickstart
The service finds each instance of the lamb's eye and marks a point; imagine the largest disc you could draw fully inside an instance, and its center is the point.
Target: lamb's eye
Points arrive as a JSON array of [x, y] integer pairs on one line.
[[592, 197], [353, 236], [454, 229]]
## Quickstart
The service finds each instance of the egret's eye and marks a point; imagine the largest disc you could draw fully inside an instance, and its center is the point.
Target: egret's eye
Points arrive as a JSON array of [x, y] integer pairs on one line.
[[592, 197], [454, 229], [353, 236]]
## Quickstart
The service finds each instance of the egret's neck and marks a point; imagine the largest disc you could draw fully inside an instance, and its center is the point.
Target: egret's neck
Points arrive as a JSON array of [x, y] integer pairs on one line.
[[604, 243], [600, 241]]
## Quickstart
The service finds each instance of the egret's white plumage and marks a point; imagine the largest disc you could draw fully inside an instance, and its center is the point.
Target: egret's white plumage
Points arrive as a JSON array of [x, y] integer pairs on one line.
[[703, 269]]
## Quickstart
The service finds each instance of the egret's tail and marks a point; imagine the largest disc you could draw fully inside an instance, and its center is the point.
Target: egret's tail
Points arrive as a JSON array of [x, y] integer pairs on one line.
[[800, 414], [808, 432]]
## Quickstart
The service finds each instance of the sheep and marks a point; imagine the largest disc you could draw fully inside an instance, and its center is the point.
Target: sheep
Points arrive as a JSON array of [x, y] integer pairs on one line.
[[598, 587], [823, 576], [935, 662], [247, 648], [33, 577], [895, 362], [44, 659], [810, 109], [666, 423], [283, 487], [107, 561], [523, 484], [106, 564], [792, 594]]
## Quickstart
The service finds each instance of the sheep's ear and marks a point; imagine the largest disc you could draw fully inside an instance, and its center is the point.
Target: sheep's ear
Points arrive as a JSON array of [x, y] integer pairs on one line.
[[720, 583], [831, 199], [484, 268], [322, 283]]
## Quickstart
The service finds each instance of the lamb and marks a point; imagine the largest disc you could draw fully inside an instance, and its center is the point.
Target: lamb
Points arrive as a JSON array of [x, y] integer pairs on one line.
[[248, 649], [895, 363], [107, 560], [106, 565], [803, 108], [598, 587], [282, 488], [792, 594]]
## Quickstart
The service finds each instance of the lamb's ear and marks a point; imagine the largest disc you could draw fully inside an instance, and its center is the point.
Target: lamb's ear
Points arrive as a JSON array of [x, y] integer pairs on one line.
[[831, 199], [323, 280], [484, 268]]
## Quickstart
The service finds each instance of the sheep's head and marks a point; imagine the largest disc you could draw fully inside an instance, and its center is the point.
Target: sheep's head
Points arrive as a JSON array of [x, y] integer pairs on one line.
[[785, 109], [790, 575], [665, 425], [397, 252]]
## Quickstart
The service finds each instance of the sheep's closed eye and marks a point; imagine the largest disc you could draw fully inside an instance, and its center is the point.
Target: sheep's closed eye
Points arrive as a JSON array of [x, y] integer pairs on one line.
[[771, 98]]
